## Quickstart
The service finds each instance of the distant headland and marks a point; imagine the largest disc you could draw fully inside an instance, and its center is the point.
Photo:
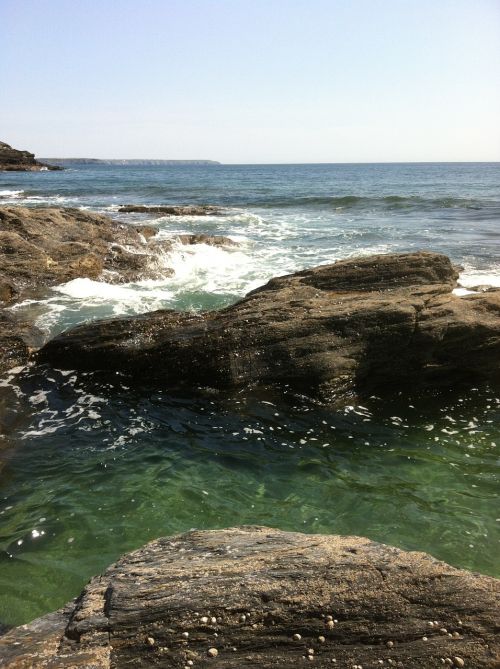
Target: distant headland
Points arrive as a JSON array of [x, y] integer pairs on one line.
[[64, 162], [13, 160]]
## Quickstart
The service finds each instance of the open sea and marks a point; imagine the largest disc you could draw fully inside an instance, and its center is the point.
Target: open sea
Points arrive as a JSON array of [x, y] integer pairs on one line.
[[90, 470]]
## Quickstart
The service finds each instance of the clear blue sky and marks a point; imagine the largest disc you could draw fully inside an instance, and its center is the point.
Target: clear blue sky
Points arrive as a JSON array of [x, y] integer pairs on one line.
[[252, 80]]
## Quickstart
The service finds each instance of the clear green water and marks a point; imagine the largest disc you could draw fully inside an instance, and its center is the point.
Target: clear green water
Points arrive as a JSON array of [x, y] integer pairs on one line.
[[88, 472], [112, 469]]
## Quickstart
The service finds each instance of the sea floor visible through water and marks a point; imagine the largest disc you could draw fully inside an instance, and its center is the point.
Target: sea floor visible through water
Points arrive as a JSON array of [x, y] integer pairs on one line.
[[90, 469]]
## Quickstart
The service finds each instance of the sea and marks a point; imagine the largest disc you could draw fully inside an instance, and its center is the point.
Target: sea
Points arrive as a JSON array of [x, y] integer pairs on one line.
[[90, 470]]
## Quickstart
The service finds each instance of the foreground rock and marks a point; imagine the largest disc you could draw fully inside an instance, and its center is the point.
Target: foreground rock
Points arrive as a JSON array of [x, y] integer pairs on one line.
[[357, 326], [256, 597], [172, 210], [21, 161]]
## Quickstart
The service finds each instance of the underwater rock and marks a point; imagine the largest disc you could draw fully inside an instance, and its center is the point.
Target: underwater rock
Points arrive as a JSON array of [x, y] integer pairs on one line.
[[12, 160], [375, 323], [259, 597]]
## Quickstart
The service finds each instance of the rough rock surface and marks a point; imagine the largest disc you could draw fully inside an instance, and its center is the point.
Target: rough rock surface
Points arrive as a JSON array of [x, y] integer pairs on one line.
[[21, 161], [354, 327], [172, 210], [266, 598]]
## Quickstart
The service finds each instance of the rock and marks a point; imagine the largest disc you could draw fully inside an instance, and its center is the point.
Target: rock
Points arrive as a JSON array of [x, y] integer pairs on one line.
[[172, 210], [22, 161], [17, 339], [359, 326], [285, 581], [211, 240]]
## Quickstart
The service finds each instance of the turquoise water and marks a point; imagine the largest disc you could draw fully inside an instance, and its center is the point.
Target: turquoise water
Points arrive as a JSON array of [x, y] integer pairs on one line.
[[89, 471]]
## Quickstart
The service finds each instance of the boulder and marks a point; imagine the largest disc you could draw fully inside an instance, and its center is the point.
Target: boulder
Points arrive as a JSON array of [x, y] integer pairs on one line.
[[257, 597], [21, 161], [172, 209], [358, 326]]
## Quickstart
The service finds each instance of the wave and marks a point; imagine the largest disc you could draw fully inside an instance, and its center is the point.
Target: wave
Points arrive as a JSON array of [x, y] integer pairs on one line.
[[10, 194], [384, 202]]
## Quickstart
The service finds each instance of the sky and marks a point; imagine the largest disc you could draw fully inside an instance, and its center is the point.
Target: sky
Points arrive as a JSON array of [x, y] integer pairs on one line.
[[252, 81]]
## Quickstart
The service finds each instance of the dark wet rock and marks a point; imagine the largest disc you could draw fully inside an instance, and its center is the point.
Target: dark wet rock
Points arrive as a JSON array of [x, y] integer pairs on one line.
[[17, 340], [358, 326], [12, 160], [265, 598], [172, 210]]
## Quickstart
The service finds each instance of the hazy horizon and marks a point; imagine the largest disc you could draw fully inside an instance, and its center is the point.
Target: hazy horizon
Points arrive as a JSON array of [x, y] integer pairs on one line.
[[325, 81]]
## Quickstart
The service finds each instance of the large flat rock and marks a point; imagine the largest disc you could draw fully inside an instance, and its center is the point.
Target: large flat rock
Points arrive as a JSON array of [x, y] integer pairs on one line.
[[266, 598], [355, 327]]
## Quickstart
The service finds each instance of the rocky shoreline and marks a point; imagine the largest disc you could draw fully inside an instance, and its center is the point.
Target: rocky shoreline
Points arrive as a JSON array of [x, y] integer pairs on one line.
[[45, 247], [258, 597], [372, 324]]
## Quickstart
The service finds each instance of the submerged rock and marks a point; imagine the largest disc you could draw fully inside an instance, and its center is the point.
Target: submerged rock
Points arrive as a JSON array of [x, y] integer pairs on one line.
[[258, 597], [371, 323], [20, 161], [172, 209]]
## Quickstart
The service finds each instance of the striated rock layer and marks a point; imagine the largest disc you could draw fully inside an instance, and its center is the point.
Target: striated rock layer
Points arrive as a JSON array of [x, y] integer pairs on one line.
[[256, 597], [355, 327], [12, 160]]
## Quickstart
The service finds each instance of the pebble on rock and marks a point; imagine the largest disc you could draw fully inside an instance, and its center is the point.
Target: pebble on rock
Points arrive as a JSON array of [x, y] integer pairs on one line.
[[321, 639], [390, 644], [330, 624], [212, 652], [297, 637], [458, 662], [150, 641]]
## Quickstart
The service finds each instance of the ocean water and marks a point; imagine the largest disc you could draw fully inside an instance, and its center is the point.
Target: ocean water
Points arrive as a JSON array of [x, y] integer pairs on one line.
[[89, 470]]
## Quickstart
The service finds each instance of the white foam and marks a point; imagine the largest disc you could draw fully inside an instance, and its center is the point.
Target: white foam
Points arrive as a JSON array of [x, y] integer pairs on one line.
[[12, 194], [472, 278]]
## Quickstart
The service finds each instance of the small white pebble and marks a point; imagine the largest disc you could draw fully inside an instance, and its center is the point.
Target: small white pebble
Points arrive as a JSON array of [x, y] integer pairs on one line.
[[213, 620], [329, 617], [448, 661], [189, 663], [254, 626], [443, 630], [310, 651], [330, 624], [424, 638], [185, 635], [321, 639], [204, 620], [212, 652], [150, 641], [390, 644], [243, 618], [310, 657], [296, 637], [458, 662]]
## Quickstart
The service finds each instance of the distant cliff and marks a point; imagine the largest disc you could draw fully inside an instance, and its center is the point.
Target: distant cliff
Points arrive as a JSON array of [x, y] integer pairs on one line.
[[12, 160], [64, 162]]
